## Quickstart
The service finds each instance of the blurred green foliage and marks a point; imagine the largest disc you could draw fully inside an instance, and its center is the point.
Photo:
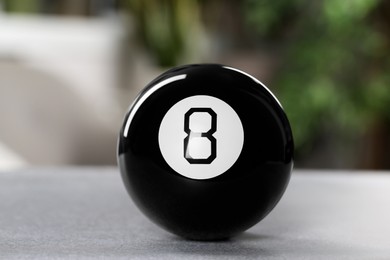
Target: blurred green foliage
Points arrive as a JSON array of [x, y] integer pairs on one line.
[[21, 6], [334, 64], [164, 26]]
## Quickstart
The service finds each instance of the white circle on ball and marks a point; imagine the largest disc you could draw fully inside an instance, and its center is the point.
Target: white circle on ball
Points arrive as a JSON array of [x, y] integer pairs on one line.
[[201, 137]]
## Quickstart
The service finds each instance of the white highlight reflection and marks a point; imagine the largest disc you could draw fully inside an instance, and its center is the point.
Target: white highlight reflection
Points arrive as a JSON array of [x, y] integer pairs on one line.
[[138, 101], [255, 80]]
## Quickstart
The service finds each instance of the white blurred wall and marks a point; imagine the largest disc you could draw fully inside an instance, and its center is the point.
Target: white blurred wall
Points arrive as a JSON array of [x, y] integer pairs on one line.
[[58, 89]]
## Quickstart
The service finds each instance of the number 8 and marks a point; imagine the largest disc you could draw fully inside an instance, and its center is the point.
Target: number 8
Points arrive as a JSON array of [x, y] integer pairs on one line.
[[209, 135]]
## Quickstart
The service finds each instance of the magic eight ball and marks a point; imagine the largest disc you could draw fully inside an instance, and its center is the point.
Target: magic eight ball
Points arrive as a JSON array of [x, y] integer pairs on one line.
[[205, 151]]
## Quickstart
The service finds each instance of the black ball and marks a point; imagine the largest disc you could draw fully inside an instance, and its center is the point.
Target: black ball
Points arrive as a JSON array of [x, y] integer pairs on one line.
[[205, 151]]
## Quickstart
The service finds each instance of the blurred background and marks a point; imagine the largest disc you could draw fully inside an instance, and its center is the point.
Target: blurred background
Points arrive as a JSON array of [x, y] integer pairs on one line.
[[69, 69]]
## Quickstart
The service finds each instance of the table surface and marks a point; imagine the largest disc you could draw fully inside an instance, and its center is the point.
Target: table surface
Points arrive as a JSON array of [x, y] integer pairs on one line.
[[83, 213]]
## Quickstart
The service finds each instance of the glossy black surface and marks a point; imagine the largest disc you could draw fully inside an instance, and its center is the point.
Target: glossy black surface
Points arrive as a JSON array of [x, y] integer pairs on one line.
[[230, 203]]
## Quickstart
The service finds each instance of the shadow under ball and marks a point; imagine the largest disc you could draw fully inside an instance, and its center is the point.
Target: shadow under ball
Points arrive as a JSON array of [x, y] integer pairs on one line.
[[205, 151]]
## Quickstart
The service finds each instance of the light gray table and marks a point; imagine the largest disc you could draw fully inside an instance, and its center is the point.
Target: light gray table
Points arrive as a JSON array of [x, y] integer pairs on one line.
[[78, 213]]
